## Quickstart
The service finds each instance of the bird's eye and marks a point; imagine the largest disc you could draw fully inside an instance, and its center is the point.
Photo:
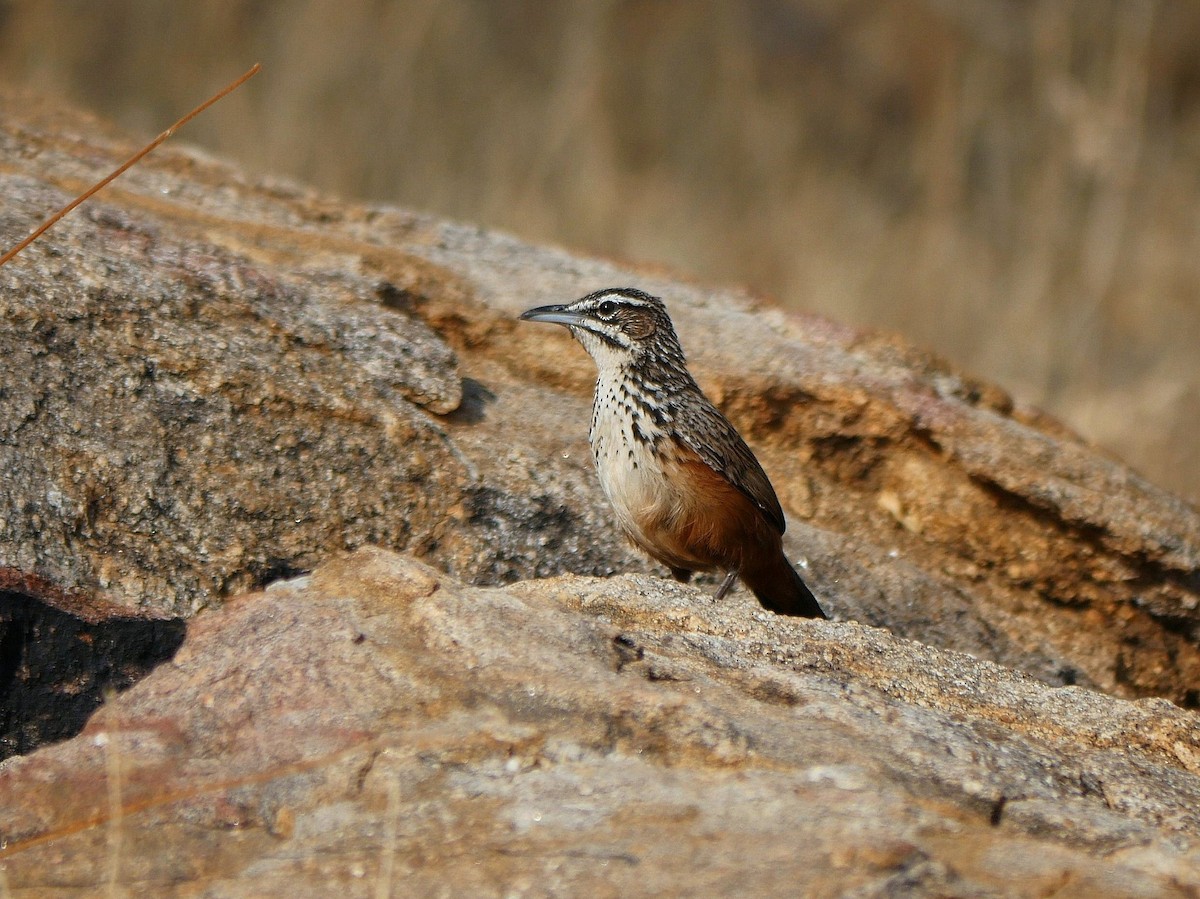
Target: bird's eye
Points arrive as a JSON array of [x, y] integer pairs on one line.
[[607, 309]]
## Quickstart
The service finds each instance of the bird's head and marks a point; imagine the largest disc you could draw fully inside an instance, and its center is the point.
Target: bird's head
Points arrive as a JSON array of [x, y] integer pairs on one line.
[[619, 327]]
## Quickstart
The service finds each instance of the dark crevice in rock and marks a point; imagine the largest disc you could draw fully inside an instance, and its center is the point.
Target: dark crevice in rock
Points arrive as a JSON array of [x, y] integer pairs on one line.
[[56, 668], [268, 571], [1150, 576]]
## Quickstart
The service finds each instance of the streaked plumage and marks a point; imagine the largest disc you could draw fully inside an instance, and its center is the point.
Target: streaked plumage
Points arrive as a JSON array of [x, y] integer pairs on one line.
[[682, 482]]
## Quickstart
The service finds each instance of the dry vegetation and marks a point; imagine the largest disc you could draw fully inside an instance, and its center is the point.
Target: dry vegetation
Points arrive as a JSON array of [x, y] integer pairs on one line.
[[1014, 184]]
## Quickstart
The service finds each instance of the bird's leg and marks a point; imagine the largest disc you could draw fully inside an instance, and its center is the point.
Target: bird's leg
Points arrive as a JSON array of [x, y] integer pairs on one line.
[[726, 584]]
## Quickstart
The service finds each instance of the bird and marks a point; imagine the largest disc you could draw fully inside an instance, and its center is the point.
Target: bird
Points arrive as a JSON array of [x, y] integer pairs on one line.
[[683, 484]]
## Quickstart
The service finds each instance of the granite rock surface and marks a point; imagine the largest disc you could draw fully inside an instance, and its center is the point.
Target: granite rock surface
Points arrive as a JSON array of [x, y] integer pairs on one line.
[[216, 383], [380, 726]]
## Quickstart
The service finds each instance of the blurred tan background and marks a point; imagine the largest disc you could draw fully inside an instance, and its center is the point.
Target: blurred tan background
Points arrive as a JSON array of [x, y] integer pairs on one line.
[[1015, 185]]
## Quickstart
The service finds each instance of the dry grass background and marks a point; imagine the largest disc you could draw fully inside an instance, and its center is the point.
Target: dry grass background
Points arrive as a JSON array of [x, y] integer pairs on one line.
[[1013, 184]]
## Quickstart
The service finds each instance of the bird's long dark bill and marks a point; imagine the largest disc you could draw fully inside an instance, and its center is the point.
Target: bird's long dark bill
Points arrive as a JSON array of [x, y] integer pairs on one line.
[[559, 315]]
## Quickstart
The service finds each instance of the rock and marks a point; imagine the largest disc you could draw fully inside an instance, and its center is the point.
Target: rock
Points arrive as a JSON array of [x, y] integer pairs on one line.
[[56, 667], [379, 721], [213, 383]]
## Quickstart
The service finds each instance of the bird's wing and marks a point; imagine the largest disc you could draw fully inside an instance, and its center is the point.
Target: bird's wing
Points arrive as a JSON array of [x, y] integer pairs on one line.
[[704, 429]]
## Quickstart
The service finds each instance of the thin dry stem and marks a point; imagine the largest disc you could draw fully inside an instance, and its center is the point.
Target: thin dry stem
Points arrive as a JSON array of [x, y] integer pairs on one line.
[[387, 862], [128, 164]]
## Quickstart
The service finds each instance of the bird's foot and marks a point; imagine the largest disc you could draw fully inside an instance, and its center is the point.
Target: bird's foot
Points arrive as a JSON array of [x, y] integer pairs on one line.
[[726, 585]]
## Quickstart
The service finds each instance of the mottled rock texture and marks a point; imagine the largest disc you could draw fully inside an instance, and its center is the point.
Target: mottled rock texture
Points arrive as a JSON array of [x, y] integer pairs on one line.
[[379, 722], [213, 382]]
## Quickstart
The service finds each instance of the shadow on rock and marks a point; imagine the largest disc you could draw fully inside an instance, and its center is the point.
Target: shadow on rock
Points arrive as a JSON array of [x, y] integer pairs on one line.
[[55, 668]]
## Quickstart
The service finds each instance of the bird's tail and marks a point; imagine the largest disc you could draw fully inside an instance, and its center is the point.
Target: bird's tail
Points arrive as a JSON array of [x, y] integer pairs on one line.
[[780, 589]]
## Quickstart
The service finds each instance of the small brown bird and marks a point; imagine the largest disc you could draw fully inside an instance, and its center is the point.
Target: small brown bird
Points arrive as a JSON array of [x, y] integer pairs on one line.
[[685, 487]]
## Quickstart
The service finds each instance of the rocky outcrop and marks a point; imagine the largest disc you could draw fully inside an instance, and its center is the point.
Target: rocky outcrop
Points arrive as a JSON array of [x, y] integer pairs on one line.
[[213, 383], [382, 729], [381, 722]]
